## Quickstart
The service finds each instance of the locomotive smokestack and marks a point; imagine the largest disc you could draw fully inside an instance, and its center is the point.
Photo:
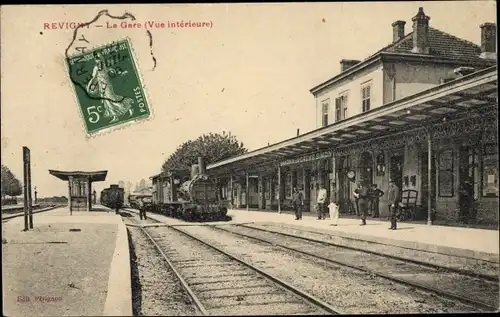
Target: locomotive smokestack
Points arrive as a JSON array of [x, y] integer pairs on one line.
[[195, 170], [201, 166]]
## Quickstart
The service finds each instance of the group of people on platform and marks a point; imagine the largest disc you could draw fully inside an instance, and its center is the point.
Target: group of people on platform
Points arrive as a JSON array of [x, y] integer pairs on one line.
[[367, 197]]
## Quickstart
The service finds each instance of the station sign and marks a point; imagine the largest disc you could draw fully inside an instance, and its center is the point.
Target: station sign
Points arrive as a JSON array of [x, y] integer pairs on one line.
[[307, 158]]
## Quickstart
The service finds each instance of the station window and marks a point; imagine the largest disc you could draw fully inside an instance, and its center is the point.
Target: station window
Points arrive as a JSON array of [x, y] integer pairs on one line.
[[325, 113], [366, 97], [490, 171], [446, 177], [341, 107], [338, 110], [288, 185]]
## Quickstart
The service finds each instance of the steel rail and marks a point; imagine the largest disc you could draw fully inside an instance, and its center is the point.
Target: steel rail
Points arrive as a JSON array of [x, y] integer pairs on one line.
[[431, 265], [20, 214], [310, 299], [382, 275], [360, 239], [183, 282]]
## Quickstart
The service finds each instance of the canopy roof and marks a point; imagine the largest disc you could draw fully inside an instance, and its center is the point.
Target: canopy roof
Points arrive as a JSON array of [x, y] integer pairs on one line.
[[98, 176], [459, 98]]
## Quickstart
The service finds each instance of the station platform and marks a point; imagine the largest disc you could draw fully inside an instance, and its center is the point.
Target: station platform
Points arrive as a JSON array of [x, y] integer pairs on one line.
[[67, 265], [480, 244]]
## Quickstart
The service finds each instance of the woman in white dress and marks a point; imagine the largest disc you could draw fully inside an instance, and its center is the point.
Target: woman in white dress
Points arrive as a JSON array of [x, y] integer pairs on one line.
[[100, 83]]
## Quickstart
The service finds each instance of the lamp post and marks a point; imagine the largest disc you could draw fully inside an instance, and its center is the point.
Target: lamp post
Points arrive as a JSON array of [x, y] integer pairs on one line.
[[35, 194], [95, 197]]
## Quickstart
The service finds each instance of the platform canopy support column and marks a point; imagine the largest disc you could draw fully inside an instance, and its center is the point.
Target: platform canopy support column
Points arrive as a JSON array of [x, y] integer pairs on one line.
[[247, 192], [334, 177], [89, 194], [232, 190], [279, 189], [429, 177], [70, 190]]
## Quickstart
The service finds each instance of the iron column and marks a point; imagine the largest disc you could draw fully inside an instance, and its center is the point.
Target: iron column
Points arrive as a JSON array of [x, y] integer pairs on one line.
[[429, 177]]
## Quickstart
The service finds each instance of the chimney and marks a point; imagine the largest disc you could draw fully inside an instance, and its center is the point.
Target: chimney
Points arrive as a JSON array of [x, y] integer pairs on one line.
[[421, 32], [298, 132], [201, 166], [345, 64], [488, 40], [398, 30]]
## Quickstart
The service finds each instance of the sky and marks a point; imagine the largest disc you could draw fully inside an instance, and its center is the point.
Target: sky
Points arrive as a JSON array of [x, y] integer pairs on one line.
[[250, 74]]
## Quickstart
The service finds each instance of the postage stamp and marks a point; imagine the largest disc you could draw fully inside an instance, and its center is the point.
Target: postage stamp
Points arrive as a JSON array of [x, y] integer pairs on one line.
[[108, 86]]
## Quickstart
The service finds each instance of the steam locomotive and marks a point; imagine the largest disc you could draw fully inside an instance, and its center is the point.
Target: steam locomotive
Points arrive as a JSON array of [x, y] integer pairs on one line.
[[191, 196], [112, 197]]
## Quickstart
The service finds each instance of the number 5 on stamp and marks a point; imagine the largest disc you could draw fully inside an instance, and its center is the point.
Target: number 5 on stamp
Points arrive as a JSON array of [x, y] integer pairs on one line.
[[108, 87]]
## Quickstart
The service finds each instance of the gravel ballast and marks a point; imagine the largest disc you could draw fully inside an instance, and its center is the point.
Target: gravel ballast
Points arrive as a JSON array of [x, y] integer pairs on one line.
[[352, 291], [466, 264], [156, 290]]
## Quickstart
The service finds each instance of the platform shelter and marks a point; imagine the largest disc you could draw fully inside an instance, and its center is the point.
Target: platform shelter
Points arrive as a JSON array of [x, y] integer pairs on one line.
[[80, 187]]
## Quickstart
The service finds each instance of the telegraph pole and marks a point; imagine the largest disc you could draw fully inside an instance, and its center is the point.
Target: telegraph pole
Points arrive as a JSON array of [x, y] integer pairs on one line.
[[27, 189], [30, 198]]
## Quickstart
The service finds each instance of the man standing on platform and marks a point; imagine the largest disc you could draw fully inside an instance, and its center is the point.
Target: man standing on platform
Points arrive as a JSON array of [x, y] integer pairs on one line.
[[394, 198], [321, 201], [356, 197], [142, 209], [298, 202], [375, 194], [364, 196]]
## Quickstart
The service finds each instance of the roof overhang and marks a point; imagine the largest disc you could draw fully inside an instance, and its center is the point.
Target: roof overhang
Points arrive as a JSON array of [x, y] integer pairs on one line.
[[98, 176], [472, 94]]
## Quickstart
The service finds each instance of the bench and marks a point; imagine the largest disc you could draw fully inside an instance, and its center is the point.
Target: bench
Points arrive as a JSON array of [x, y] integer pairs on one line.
[[408, 204]]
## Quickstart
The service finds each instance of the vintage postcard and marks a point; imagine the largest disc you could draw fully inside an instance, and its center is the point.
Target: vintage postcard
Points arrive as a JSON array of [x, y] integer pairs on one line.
[[249, 159]]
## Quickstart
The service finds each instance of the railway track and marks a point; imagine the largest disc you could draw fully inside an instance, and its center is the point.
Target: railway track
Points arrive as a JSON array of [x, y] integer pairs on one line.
[[479, 292], [8, 216], [220, 283]]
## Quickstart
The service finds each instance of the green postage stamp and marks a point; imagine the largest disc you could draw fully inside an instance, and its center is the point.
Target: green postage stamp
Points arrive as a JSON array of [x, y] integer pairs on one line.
[[108, 87]]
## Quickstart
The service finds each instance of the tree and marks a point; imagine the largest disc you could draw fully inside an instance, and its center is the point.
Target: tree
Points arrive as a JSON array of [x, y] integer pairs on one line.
[[142, 184], [11, 186], [212, 147]]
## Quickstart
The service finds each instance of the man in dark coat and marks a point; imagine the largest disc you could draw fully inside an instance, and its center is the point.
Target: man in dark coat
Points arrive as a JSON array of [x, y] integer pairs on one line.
[[394, 197], [356, 197], [298, 202], [466, 199], [375, 194], [363, 194]]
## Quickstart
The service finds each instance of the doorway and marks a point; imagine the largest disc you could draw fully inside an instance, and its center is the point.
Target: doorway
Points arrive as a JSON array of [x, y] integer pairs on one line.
[[264, 192], [467, 174], [396, 170], [424, 181], [344, 185], [366, 168]]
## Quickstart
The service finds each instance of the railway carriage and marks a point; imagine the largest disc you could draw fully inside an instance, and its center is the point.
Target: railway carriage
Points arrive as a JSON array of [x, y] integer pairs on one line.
[[112, 197], [189, 195]]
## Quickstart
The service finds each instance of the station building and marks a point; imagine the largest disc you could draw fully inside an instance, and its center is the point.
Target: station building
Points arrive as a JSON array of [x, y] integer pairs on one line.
[[422, 111]]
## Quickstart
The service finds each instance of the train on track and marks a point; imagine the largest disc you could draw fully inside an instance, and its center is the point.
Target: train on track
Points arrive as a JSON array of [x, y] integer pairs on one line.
[[135, 198], [189, 195], [112, 197]]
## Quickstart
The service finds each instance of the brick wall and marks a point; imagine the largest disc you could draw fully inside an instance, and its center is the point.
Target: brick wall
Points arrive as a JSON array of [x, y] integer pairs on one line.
[[447, 209], [487, 211]]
